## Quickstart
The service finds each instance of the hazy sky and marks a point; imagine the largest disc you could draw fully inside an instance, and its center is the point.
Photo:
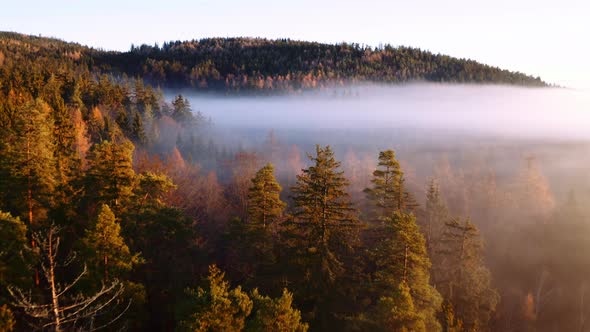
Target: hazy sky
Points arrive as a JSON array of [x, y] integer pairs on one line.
[[538, 37]]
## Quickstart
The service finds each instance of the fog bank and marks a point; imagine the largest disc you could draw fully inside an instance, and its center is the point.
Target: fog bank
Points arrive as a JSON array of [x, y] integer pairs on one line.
[[496, 110]]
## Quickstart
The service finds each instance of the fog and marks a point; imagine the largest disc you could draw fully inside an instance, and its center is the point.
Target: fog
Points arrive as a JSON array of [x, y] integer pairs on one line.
[[555, 113]]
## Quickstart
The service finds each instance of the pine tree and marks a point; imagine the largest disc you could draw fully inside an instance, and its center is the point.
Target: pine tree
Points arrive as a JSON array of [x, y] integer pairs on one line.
[[398, 312], [275, 315], [27, 162], [464, 279], [107, 253], [401, 258], [216, 307], [110, 178], [388, 193], [264, 203]]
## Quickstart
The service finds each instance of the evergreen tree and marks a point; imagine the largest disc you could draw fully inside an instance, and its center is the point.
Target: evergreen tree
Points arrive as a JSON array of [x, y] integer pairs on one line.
[[14, 256], [27, 162], [181, 110], [436, 215], [264, 203], [275, 315], [110, 178], [324, 235], [463, 278], [398, 312], [388, 193], [401, 258], [216, 307], [107, 253], [324, 207]]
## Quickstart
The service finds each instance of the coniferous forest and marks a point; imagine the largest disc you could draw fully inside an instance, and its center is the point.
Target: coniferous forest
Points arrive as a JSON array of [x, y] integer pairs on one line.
[[122, 209]]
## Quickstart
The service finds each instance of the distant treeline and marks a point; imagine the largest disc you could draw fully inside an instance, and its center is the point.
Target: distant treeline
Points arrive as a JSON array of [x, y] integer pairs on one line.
[[256, 64]]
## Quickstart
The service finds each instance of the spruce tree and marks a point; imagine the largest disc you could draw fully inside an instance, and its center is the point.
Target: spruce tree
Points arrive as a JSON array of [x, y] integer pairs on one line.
[[401, 258], [264, 204], [322, 240], [324, 209]]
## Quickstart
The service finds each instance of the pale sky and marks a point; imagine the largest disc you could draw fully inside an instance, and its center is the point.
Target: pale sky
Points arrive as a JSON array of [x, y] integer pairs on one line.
[[539, 37]]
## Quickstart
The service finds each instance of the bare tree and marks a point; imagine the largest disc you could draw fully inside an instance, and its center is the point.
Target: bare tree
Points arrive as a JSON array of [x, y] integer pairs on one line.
[[62, 310]]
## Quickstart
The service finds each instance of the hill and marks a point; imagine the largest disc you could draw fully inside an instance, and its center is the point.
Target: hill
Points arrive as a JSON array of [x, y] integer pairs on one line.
[[237, 64]]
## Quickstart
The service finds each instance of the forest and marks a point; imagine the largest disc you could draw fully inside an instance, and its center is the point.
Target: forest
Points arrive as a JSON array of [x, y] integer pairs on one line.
[[121, 208]]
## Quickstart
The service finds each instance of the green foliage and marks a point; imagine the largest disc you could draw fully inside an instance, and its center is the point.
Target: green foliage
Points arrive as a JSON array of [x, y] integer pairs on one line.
[[27, 161], [14, 256], [107, 253], [217, 307], [324, 209], [110, 178], [264, 203], [275, 315], [401, 257], [388, 193], [398, 313]]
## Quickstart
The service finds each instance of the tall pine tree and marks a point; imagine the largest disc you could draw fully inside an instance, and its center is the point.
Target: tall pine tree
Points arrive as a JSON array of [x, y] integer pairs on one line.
[[401, 258]]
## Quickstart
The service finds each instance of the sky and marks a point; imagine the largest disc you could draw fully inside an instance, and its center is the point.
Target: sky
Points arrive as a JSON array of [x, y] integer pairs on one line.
[[538, 37]]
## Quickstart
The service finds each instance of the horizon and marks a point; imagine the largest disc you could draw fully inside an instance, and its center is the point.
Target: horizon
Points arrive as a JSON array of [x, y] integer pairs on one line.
[[532, 37]]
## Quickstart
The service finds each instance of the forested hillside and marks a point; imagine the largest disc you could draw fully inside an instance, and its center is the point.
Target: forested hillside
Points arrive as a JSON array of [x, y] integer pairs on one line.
[[119, 210], [254, 64]]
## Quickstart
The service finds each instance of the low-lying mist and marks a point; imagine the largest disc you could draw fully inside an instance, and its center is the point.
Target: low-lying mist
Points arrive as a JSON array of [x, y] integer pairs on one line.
[[553, 113]]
